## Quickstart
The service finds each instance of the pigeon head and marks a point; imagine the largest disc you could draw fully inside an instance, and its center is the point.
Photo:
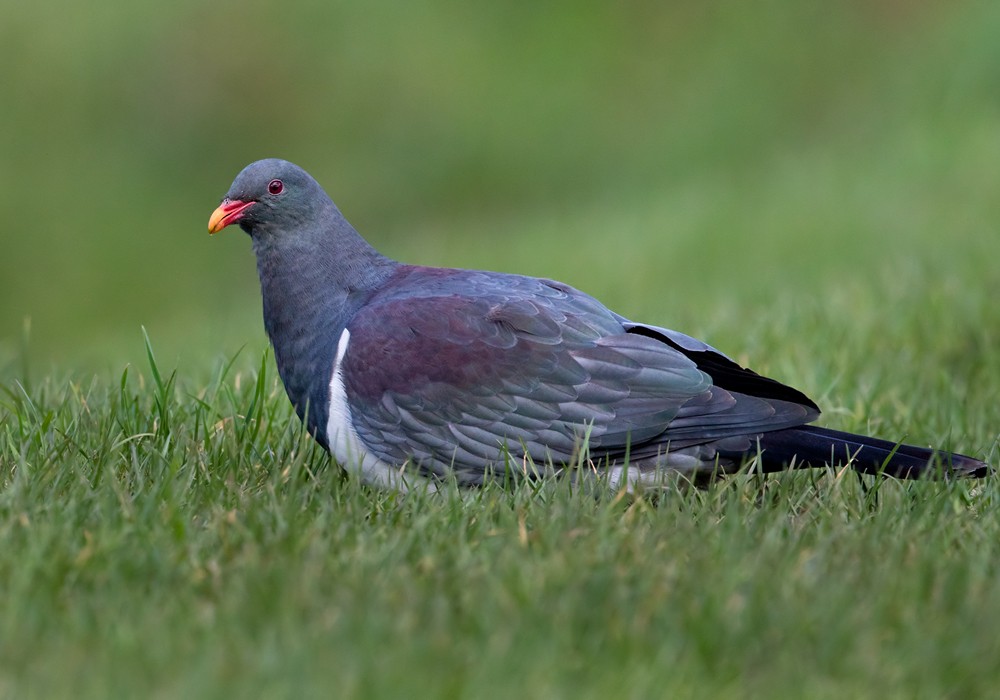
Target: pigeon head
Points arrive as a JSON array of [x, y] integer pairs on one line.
[[269, 197]]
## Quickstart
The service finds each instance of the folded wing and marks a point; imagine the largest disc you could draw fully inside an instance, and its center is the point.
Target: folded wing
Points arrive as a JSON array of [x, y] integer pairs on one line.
[[525, 367]]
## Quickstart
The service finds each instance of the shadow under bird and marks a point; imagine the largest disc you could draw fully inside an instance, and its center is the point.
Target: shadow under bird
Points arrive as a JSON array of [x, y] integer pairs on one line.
[[410, 375]]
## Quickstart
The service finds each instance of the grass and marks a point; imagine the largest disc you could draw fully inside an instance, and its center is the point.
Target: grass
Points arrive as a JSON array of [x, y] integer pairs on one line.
[[166, 536]]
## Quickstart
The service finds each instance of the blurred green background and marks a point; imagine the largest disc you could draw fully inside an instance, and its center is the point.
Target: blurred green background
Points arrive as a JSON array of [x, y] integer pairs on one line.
[[692, 164]]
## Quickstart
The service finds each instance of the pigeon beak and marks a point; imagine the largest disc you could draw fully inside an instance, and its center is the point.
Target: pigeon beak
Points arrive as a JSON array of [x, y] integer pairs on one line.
[[229, 212]]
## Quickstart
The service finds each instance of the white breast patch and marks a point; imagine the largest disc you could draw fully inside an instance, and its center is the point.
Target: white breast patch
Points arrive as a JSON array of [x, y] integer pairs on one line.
[[345, 443]]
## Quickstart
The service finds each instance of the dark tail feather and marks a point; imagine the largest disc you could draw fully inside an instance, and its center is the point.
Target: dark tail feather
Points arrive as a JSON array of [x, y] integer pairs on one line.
[[809, 446]]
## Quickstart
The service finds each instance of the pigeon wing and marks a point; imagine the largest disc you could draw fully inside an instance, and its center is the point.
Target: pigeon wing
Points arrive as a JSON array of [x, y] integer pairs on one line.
[[517, 367]]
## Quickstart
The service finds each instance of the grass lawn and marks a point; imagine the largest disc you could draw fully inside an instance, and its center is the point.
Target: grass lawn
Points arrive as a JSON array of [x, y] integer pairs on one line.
[[178, 536]]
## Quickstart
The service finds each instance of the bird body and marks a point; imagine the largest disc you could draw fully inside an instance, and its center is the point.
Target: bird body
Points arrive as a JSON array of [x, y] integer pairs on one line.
[[411, 374]]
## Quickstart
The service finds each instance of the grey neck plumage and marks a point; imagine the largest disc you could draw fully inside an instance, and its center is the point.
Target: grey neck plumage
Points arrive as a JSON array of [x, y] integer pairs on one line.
[[312, 283]]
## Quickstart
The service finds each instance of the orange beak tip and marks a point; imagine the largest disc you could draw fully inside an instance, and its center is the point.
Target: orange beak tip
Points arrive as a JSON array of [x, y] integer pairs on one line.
[[215, 222]]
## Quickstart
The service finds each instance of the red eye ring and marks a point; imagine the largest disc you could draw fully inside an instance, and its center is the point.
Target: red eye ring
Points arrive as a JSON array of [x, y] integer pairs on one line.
[[275, 187]]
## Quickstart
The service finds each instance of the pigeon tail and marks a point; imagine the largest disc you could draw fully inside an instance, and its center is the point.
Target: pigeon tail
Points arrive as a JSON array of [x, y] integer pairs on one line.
[[811, 446]]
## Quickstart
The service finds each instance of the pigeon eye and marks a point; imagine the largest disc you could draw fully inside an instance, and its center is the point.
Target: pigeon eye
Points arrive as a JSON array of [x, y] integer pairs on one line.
[[275, 187]]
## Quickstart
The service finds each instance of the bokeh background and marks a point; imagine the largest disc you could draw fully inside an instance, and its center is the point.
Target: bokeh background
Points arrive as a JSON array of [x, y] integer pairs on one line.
[[697, 165]]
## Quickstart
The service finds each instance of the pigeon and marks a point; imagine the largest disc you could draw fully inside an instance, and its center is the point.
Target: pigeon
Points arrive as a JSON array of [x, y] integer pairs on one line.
[[421, 376]]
